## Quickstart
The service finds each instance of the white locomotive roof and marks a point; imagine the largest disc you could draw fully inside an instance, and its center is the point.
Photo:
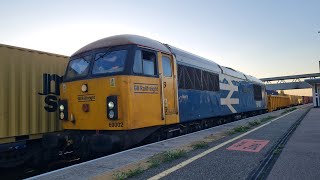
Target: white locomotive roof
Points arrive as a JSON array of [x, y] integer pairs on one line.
[[124, 40], [232, 72], [254, 79], [190, 59], [238, 74], [186, 58], [183, 57]]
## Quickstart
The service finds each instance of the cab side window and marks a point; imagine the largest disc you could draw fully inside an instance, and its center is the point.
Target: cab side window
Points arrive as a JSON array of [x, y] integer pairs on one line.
[[145, 63], [257, 91], [166, 66]]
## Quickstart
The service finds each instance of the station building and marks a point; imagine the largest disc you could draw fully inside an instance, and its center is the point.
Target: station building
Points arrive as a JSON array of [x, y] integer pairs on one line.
[[315, 83]]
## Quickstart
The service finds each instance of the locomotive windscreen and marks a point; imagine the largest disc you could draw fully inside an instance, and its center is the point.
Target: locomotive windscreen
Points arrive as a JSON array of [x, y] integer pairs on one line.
[[109, 62], [78, 68], [104, 63]]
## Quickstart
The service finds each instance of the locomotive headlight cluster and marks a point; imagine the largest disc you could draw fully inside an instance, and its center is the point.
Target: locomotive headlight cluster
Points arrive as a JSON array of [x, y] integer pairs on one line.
[[112, 107], [63, 110]]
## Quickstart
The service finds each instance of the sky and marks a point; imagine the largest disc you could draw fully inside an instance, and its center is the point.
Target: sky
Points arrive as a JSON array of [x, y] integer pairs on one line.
[[261, 38]]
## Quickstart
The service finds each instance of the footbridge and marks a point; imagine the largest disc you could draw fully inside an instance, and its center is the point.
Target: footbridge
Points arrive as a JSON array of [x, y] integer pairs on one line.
[[290, 82], [302, 81]]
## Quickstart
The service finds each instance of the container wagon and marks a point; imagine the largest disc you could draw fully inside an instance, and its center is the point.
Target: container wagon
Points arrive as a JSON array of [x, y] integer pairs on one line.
[[295, 100], [29, 82], [276, 102], [306, 99]]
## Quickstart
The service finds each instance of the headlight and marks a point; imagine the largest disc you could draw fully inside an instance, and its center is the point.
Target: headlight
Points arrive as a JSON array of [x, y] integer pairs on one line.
[[111, 105], [61, 115], [84, 88], [111, 114], [61, 107]]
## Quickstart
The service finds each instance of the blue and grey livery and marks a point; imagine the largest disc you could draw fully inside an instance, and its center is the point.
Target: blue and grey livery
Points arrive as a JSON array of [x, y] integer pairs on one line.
[[236, 93]]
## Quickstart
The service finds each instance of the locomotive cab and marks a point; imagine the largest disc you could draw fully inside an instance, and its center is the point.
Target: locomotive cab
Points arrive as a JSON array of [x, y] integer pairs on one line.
[[119, 88], [117, 91]]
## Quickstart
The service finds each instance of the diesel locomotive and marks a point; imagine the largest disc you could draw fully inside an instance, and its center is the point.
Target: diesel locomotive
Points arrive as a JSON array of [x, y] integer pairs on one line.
[[123, 90]]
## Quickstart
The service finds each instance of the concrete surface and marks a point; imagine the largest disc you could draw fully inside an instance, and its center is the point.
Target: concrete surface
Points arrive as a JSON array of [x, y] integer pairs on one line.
[[229, 164], [300, 158]]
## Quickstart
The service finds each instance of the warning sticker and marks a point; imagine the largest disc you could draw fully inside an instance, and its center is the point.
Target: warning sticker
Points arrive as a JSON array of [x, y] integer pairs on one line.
[[249, 145]]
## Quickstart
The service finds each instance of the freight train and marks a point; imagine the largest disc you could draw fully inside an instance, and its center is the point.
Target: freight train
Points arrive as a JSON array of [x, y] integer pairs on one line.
[[120, 91], [276, 102], [116, 93]]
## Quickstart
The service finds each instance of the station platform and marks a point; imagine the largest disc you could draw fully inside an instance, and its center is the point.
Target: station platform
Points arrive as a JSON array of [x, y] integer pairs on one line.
[[300, 158], [228, 154]]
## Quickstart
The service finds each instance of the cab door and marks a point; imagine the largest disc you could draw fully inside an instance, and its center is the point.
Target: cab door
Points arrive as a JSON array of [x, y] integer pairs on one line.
[[169, 89]]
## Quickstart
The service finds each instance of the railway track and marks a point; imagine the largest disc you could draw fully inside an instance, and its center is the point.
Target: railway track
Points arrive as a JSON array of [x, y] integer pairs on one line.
[[22, 172]]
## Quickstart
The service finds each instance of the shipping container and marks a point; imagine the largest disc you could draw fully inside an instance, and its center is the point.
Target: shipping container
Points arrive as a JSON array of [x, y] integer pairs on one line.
[[29, 82]]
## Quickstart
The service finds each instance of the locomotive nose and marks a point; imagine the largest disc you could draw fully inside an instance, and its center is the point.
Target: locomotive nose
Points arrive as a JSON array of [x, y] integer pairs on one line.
[[91, 104]]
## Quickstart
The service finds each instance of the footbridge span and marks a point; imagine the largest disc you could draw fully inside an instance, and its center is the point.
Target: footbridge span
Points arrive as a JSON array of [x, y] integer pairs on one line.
[[302, 81]]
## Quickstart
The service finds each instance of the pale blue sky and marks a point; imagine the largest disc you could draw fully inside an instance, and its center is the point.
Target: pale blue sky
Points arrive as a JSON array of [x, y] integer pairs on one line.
[[261, 38]]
